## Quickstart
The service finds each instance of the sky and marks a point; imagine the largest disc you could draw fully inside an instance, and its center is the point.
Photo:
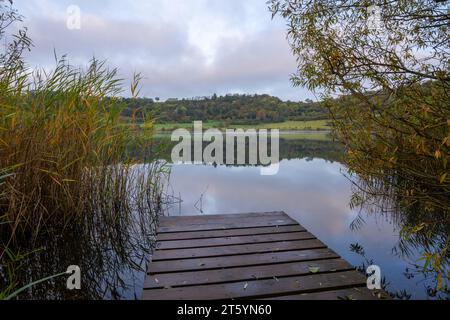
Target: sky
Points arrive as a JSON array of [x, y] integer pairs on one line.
[[182, 48]]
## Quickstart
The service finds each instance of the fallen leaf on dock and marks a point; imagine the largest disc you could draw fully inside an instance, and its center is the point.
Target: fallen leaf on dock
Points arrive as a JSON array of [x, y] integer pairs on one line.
[[314, 269]]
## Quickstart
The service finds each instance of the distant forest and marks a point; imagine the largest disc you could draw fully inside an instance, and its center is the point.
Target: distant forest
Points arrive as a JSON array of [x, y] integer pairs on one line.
[[240, 109]]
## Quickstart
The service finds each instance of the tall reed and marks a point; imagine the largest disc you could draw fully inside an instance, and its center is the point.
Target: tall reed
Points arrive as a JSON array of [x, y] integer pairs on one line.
[[70, 193], [61, 138], [63, 163]]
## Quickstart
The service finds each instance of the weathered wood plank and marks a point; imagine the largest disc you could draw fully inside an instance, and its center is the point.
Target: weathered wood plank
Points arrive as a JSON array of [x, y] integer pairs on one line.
[[233, 222], [267, 271], [176, 220], [239, 260], [203, 252], [230, 225], [213, 242], [261, 288], [359, 293], [227, 233]]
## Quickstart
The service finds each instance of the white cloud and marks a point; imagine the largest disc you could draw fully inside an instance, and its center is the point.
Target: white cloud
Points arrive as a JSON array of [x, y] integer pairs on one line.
[[182, 48]]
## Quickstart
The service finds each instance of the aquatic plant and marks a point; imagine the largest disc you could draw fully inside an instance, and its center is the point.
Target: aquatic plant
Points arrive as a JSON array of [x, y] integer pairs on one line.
[[65, 177]]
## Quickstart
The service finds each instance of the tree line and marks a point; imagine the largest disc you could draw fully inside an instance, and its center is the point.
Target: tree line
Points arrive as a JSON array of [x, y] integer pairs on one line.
[[239, 108]]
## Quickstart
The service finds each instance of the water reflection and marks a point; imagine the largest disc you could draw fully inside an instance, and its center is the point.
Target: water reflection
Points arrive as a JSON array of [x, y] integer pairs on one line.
[[291, 146], [111, 244], [312, 188], [111, 267]]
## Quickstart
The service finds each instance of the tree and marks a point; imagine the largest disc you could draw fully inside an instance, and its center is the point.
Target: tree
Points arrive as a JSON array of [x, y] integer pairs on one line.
[[11, 62], [390, 62], [352, 45]]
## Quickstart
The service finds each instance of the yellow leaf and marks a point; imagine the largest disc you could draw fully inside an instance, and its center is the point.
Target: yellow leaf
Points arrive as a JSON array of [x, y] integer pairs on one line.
[[442, 179], [439, 282], [418, 228]]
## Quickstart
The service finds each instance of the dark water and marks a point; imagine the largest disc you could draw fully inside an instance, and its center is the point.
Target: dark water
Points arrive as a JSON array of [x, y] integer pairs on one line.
[[312, 188]]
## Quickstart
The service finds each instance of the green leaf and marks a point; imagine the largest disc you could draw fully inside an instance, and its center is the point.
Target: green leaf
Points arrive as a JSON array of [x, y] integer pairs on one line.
[[314, 269], [17, 292]]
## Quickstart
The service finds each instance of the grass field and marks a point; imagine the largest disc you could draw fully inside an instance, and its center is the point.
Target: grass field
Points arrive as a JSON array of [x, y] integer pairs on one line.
[[174, 125], [306, 135], [283, 126]]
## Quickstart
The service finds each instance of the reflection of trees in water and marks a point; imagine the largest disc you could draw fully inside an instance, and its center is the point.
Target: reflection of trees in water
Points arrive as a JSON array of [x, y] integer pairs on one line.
[[289, 149], [323, 149], [359, 250], [424, 229], [109, 260], [110, 245]]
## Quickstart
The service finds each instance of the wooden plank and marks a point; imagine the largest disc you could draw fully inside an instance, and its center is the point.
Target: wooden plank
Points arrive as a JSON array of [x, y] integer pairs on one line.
[[229, 225], [359, 293], [176, 220], [261, 288], [253, 256], [212, 242], [243, 273], [203, 252], [235, 222], [239, 260], [227, 233]]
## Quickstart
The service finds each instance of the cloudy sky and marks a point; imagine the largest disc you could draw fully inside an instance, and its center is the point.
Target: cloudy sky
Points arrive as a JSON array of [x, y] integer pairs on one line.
[[183, 48]]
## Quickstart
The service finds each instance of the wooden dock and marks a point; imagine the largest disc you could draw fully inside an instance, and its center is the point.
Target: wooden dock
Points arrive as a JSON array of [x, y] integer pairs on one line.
[[247, 256]]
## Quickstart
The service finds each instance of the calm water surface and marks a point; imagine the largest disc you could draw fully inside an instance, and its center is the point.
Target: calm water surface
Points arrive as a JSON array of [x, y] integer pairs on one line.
[[312, 188]]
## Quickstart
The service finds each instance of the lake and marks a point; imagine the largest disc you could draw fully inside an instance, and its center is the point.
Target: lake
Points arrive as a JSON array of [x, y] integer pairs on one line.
[[311, 186]]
